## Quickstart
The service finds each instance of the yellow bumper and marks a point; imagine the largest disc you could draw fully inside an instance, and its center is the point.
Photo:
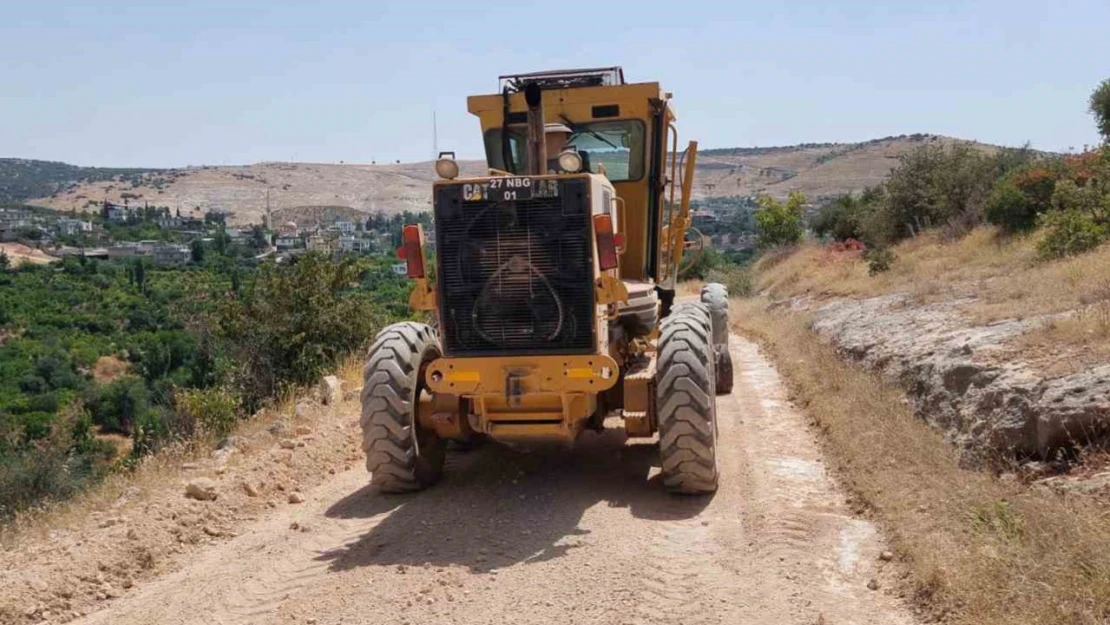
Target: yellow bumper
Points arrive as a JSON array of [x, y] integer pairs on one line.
[[522, 375], [526, 398]]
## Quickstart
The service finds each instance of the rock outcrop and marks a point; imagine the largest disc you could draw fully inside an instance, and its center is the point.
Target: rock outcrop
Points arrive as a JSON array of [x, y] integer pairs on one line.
[[959, 380]]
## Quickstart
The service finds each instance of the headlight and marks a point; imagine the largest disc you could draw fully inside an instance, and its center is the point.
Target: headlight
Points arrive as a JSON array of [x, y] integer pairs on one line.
[[446, 166], [570, 161]]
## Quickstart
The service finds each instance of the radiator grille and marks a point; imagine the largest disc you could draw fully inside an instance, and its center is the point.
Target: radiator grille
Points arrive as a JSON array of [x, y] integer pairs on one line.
[[515, 277]]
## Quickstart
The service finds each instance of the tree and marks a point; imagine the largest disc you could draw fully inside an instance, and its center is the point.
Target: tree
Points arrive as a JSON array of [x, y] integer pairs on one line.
[[839, 219], [137, 274], [120, 404], [292, 322], [1019, 198], [196, 251], [937, 186], [5, 262], [258, 239], [779, 223], [1099, 106], [221, 241]]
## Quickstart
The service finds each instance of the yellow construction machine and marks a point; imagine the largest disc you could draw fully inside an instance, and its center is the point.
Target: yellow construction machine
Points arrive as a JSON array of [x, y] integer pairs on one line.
[[554, 297]]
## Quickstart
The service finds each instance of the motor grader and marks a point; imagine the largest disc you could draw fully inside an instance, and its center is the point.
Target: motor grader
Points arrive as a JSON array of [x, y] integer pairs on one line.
[[554, 299]]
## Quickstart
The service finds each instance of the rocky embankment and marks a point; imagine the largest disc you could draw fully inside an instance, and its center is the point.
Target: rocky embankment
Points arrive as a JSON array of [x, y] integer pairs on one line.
[[967, 380]]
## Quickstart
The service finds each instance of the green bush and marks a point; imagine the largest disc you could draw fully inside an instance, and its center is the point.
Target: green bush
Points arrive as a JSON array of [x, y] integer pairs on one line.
[[879, 259], [738, 279], [780, 223], [293, 322], [708, 260], [119, 405], [838, 219], [1069, 232], [935, 186], [1017, 199], [213, 410], [150, 431], [862, 217], [56, 466], [1009, 209]]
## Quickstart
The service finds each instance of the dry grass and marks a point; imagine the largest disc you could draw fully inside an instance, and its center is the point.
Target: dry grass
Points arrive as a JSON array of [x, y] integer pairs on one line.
[[350, 371], [926, 265], [981, 550], [1004, 275], [1000, 279], [1062, 346], [108, 369]]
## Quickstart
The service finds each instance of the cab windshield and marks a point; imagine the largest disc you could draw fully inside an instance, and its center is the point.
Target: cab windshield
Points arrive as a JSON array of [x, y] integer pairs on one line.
[[616, 145]]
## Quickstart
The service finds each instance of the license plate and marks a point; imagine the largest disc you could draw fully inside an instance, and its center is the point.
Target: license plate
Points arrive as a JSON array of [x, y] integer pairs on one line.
[[510, 188]]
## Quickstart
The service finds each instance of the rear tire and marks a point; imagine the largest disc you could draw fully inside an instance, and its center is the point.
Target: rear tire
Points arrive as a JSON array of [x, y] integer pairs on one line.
[[400, 456], [686, 405], [715, 296]]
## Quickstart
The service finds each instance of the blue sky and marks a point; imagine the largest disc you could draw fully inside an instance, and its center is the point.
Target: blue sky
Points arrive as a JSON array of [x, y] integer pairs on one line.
[[123, 84]]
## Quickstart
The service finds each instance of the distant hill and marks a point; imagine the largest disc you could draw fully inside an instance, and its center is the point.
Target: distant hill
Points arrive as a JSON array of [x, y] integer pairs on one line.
[[298, 191], [239, 191], [820, 170], [24, 179]]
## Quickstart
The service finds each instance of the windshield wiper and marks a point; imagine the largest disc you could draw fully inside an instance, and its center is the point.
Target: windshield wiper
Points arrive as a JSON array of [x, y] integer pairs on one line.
[[576, 129]]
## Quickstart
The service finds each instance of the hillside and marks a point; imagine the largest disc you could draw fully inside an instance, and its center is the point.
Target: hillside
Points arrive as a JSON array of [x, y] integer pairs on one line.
[[818, 170], [241, 190]]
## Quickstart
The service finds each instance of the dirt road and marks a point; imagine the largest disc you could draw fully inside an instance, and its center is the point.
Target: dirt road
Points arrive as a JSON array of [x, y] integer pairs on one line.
[[553, 537]]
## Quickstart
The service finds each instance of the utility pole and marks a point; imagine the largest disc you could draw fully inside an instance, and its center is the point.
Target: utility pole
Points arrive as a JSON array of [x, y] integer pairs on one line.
[[435, 136], [269, 217]]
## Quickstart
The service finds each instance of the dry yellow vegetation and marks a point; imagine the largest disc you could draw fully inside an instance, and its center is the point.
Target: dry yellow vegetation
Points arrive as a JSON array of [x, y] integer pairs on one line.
[[992, 278], [982, 550]]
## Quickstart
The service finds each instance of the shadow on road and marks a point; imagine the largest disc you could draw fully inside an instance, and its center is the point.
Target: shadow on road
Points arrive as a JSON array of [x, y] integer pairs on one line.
[[498, 506]]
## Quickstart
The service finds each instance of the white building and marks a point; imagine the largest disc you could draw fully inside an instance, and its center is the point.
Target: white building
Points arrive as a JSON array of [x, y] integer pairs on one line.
[[71, 227], [171, 254], [119, 214], [350, 243], [288, 242]]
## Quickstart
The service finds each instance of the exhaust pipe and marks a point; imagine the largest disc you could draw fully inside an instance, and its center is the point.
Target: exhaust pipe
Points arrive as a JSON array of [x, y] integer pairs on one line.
[[537, 140]]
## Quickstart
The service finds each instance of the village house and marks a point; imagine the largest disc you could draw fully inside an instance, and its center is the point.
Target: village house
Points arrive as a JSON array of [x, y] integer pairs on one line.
[[142, 249], [321, 243], [119, 214], [288, 242], [171, 254], [351, 243], [72, 227]]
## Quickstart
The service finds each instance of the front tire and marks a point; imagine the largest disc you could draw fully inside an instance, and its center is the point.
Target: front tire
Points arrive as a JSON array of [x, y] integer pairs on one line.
[[400, 455], [686, 403]]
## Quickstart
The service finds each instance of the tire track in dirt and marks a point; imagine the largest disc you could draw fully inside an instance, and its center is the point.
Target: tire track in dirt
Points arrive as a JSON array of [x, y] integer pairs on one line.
[[586, 535]]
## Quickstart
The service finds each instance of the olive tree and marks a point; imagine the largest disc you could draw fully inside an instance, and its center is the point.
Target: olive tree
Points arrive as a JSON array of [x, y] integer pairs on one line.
[[1099, 106]]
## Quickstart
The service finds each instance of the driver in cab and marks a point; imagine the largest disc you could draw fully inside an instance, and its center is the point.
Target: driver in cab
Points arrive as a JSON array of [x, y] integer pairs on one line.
[[556, 137]]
